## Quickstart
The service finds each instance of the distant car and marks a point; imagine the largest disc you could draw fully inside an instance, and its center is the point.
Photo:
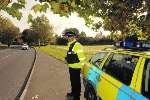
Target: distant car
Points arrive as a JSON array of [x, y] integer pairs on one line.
[[25, 47], [117, 75]]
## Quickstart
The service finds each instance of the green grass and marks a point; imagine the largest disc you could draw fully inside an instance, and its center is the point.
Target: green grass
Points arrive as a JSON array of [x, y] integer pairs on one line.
[[60, 51], [91, 50], [54, 51]]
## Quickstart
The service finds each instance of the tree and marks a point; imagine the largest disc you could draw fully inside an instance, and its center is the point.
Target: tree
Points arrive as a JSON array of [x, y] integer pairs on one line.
[[42, 29], [28, 36], [4, 3], [98, 36], [12, 8], [82, 35], [115, 14], [4, 24], [9, 35], [117, 36], [8, 31], [61, 40]]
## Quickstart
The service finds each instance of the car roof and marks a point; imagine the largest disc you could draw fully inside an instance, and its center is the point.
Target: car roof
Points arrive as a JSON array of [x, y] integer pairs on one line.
[[145, 53]]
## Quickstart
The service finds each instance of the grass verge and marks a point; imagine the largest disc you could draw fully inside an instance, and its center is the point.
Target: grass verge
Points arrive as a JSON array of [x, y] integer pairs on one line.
[[54, 51], [59, 52]]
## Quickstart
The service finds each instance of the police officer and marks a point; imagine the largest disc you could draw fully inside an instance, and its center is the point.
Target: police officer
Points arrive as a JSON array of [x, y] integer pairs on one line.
[[75, 60]]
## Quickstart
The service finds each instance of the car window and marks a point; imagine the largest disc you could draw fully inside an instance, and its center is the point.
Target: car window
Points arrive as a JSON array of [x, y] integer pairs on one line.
[[121, 67], [98, 58], [146, 79]]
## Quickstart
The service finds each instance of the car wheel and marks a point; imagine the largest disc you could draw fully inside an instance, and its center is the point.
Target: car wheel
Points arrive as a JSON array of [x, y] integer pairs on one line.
[[90, 93]]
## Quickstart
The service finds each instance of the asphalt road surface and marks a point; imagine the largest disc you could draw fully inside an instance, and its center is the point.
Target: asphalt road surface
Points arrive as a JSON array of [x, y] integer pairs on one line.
[[50, 79], [14, 67]]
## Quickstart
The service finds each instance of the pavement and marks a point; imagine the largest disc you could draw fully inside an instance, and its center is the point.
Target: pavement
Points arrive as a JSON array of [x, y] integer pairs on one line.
[[49, 80]]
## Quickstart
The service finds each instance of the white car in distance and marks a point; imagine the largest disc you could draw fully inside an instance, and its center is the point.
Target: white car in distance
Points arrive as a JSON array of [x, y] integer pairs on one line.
[[25, 47]]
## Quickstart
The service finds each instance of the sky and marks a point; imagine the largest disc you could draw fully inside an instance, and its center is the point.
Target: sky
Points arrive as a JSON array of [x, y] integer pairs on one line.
[[59, 23]]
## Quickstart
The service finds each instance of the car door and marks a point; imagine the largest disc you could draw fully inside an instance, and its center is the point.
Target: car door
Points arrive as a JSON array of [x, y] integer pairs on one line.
[[142, 89], [94, 72], [146, 79], [115, 80]]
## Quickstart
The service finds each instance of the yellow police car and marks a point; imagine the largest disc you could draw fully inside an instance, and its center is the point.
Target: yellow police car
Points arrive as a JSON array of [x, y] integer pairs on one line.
[[117, 75]]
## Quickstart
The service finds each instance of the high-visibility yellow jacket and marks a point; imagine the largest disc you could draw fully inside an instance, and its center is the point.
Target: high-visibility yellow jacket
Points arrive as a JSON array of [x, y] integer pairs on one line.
[[77, 48]]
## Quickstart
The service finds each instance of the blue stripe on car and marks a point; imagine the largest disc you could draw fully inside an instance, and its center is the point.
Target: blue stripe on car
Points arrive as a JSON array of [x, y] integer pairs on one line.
[[137, 96], [126, 93], [93, 74]]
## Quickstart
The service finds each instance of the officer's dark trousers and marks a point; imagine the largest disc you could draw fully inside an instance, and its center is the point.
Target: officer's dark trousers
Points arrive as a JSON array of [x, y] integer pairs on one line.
[[75, 82]]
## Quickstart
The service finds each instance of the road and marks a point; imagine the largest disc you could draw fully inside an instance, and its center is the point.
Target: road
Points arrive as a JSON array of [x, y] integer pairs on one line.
[[49, 81], [14, 67]]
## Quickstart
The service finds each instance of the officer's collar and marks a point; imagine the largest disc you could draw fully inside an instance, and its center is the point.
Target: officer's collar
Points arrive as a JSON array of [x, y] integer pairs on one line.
[[71, 42]]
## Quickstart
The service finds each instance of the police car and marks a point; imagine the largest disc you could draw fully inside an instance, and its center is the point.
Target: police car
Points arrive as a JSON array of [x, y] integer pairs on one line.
[[121, 74]]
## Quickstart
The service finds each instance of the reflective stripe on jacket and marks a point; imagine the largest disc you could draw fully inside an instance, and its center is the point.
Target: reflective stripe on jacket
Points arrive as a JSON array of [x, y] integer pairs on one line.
[[79, 50]]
